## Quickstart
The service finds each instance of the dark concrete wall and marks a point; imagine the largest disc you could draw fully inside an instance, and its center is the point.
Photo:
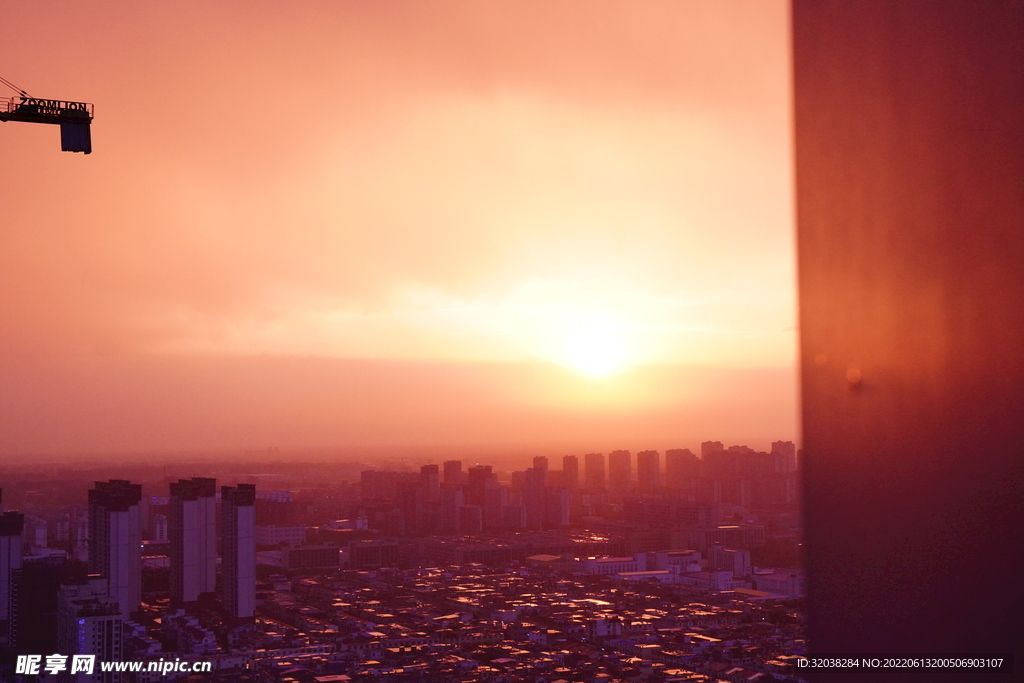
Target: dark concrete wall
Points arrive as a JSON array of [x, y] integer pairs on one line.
[[910, 211]]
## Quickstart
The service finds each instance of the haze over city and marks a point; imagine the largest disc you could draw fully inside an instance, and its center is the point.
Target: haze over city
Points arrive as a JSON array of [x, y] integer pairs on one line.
[[393, 225]]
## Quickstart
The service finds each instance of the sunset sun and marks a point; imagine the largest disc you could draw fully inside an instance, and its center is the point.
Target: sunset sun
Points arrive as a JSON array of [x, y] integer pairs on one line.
[[596, 349]]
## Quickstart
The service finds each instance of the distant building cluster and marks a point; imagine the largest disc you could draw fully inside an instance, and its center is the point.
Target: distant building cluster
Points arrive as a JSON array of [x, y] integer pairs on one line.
[[597, 574], [473, 500], [662, 492]]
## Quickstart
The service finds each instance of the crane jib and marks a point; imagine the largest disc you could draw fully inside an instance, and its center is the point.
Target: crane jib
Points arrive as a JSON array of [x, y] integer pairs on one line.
[[53, 107]]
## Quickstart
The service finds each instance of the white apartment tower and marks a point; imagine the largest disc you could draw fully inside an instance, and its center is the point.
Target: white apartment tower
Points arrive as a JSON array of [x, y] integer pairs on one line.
[[238, 550], [115, 540], [192, 531]]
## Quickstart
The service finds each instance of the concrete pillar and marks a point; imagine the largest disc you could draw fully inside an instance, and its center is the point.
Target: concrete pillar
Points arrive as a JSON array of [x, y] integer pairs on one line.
[[910, 209]]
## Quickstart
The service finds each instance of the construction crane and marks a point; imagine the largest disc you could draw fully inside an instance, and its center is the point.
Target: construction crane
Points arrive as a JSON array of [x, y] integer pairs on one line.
[[74, 118]]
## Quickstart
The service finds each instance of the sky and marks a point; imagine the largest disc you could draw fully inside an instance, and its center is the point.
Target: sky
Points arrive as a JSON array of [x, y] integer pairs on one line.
[[523, 224]]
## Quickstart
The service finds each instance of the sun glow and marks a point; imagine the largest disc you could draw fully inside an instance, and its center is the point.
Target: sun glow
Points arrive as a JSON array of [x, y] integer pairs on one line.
[[596, 348]]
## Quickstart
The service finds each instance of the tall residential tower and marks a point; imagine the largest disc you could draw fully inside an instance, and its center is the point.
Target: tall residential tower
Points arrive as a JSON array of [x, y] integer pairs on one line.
[[192, 530], [620, 471], [594, 472], [115, 540], [238, 550]]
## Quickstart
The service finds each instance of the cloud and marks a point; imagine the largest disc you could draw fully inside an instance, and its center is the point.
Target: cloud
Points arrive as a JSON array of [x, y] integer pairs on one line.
[[456, 182]]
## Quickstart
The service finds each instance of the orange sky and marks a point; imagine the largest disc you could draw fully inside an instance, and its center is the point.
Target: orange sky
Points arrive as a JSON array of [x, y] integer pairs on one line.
[[318, 224]]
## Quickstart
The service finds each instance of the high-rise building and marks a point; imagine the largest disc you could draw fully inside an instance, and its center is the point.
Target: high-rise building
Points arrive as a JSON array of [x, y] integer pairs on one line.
[[571, 472], [80, 535], [90, 622], [11, 526], [556, 478], [155, 507], [238, 550], [784, 456], [717, 461], [115, 540], [453, 472], [513, 516], [648, 471], [540, 462], [594, 472], [709, 490], [475, 488], [430, 481], [34, 604], [451, 502], [710, 448], [620, 471], [158, 528], [495, 497], [410, 500], [62, 528], [471, 519], [35, 535], [192, 531], [556, 507], [534, 482], [680, 467]]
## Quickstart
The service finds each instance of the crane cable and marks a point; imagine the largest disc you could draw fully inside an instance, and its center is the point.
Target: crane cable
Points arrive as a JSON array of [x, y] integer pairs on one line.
[[13, 87]]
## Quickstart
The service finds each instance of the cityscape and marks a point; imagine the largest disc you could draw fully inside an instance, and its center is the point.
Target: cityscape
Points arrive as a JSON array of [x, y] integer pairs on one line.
[[613, 567], [517, 341]]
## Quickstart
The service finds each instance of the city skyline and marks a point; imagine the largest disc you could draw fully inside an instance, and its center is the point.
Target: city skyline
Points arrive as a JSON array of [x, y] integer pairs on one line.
[[344, 568]]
